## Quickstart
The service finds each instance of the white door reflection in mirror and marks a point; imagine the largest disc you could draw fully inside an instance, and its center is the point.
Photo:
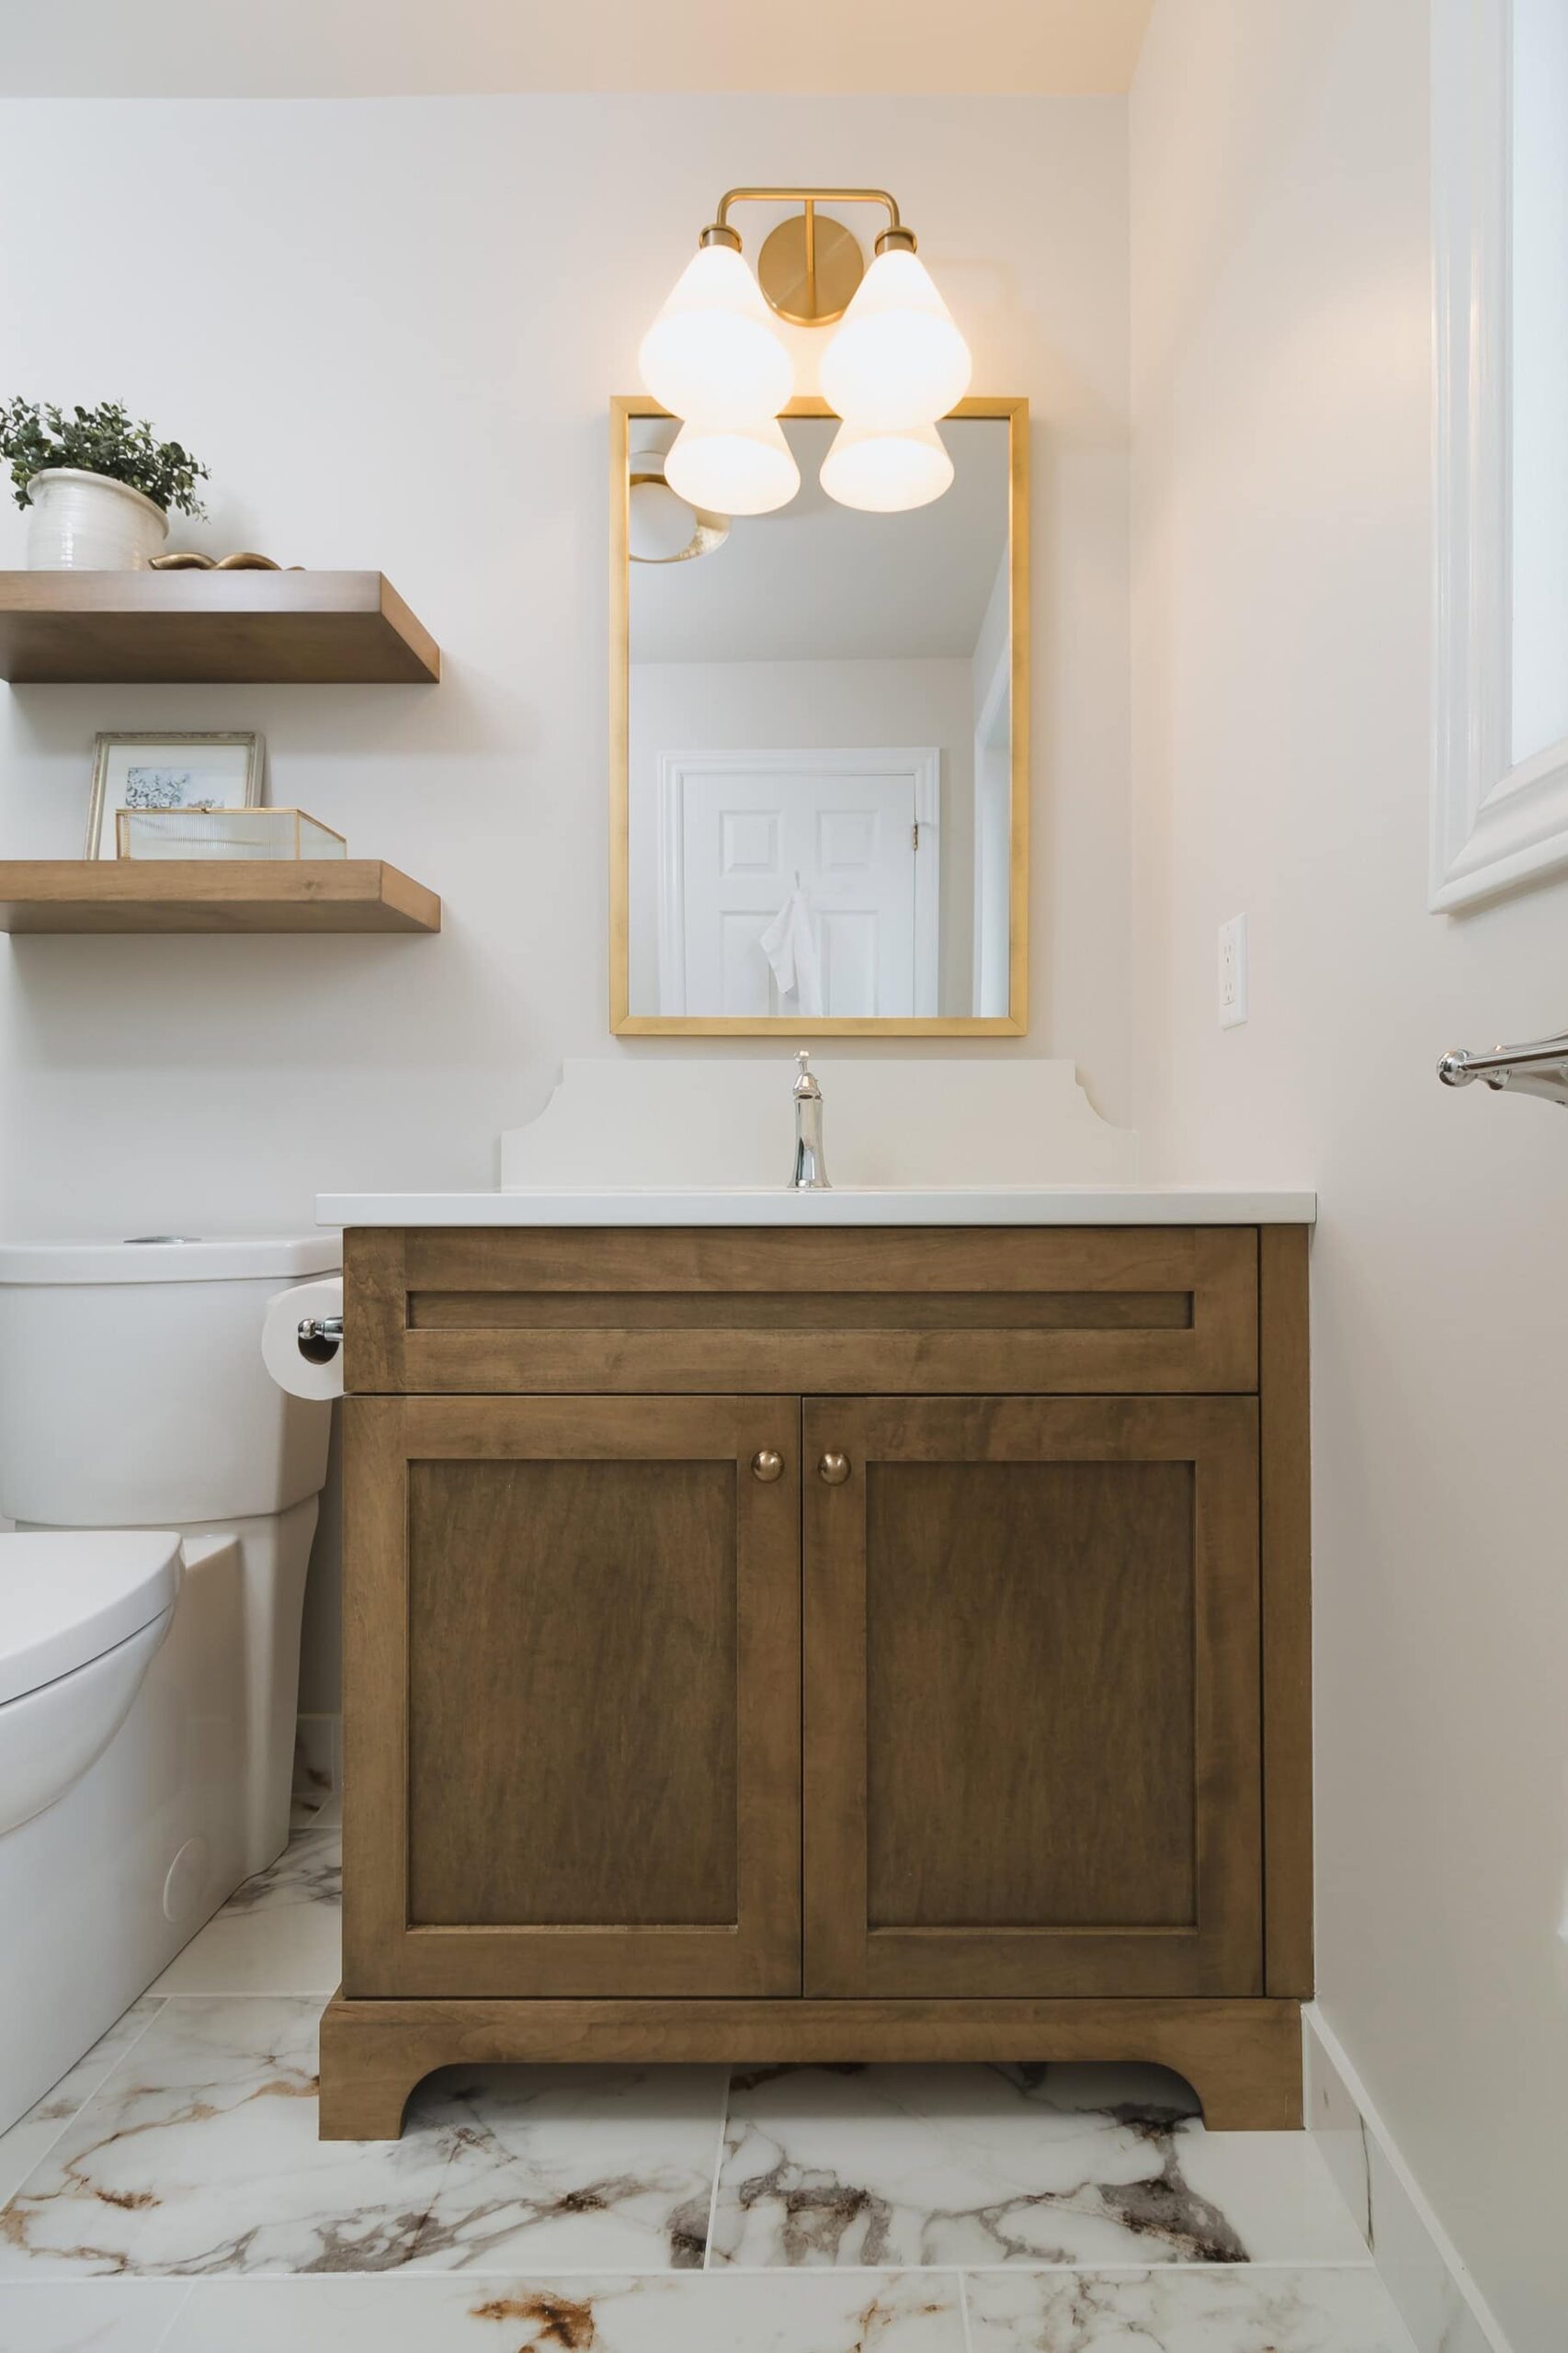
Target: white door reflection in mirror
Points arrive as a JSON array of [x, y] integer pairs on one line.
[[854, 832], [800, 700]]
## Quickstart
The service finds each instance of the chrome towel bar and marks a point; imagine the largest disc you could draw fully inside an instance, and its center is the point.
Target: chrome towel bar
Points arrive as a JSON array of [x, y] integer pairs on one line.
[[1539, 1069]]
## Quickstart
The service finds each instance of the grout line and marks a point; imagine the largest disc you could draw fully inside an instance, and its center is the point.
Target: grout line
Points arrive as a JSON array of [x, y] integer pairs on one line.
[[175, 2319], [964, 2315], [718, 2169], [154, 2014], [320, 1996], [1152, 2267], [418, 2268], [158, 2001]]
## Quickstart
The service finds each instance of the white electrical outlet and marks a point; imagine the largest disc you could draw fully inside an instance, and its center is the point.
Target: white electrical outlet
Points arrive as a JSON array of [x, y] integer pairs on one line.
[[1233, 972]]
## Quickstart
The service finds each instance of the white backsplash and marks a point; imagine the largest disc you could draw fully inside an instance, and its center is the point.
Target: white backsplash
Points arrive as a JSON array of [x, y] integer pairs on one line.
[[702, 1122]]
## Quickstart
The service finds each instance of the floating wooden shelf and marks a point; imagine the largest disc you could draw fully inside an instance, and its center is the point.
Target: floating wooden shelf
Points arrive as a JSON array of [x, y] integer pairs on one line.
[[225, 628], [212, 894]]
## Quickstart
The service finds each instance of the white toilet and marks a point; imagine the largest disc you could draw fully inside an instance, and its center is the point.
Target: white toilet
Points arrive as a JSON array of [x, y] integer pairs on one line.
[[149, 1615]]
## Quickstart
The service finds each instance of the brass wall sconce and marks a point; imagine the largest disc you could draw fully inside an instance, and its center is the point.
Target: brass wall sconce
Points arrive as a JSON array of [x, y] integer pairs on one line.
[[894, 366], [809, 265]]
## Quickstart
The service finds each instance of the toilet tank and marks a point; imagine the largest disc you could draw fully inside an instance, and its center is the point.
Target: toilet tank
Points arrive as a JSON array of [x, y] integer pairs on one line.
[[133, 1392]]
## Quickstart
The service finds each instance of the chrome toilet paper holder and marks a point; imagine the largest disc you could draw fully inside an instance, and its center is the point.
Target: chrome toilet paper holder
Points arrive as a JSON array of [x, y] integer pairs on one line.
[[320, 1338]]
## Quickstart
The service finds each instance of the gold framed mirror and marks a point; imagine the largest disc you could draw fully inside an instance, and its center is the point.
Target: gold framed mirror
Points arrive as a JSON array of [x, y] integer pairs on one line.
[[819, 746]]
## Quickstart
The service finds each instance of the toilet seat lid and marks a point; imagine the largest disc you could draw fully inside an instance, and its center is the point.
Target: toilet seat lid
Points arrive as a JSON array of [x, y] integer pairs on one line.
[[69, 1595]]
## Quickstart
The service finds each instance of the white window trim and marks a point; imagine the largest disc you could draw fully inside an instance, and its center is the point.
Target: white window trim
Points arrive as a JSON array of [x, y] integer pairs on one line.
[[924, 763], [1493, 826]]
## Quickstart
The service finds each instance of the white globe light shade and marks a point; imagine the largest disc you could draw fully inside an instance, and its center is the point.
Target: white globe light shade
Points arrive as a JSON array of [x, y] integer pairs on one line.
[[662, 529], [733, 469], [711, 355], [886, 473], [898, 359]]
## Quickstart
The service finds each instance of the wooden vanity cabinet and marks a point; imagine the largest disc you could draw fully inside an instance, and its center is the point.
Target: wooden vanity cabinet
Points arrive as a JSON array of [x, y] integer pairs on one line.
[[767, 1646]]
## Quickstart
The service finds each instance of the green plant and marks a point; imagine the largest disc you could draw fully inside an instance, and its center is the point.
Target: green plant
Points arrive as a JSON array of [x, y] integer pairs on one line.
[[102, 441]]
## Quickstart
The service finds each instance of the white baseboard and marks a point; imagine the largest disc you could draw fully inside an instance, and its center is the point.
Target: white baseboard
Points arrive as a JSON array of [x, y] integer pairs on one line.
[[1417, 2262]]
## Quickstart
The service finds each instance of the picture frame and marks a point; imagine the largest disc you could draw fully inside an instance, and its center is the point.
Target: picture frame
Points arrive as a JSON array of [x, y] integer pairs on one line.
[[169, 768]]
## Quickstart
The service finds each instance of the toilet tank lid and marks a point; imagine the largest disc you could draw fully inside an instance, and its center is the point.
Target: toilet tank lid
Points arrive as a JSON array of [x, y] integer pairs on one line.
[[172, 1258], [67, 1597]]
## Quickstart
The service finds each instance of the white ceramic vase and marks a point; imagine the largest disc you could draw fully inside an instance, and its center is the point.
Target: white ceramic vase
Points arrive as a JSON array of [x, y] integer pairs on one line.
[[82, 522]]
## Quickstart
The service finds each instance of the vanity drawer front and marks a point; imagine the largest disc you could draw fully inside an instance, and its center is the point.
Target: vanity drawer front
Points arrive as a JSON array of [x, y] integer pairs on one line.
[[844, 1311]]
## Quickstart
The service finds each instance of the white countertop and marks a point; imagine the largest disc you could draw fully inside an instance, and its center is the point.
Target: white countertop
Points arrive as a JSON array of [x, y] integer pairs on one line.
[[845, 1205]]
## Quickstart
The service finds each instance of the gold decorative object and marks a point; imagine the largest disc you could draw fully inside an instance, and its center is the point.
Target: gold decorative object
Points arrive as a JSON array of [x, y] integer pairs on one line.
[[225, 833], [188, 559]]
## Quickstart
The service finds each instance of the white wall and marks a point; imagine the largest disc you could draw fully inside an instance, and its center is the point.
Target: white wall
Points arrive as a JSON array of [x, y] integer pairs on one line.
[[392, 328], [394, 343], [795, 707], [1282, 605]]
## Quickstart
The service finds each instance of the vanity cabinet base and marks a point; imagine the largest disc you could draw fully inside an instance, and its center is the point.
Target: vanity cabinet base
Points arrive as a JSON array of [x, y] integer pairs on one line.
[[1242, 2058], [917, 1617]]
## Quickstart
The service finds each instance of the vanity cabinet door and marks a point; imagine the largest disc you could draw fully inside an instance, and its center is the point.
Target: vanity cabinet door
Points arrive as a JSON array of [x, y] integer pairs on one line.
[[1031, 1697], [571, 1696]]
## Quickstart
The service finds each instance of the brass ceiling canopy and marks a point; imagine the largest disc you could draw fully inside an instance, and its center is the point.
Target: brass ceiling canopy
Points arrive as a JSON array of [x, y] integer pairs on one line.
[[811, 264]]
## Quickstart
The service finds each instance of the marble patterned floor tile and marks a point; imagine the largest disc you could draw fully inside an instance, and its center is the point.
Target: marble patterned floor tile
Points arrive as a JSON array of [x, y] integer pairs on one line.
[[280, 1933], [680, 2312], [30, 2139], [1250, 2309], [201, 2156], [90, 2315], [924, 2165]]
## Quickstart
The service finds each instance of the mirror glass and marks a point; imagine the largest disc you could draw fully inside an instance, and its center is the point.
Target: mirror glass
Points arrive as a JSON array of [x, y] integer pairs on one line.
[[819, 725]]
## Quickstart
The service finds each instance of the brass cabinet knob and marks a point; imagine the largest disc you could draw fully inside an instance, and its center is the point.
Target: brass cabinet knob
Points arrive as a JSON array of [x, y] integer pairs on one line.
[[766, 1465], [833, 1469]]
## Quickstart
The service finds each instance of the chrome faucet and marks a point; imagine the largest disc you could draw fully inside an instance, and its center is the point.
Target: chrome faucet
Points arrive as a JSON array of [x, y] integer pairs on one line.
[[811, 1165]]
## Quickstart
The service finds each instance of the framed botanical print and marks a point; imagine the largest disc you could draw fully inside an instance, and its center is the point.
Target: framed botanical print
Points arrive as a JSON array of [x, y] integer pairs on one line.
[[161, 770]]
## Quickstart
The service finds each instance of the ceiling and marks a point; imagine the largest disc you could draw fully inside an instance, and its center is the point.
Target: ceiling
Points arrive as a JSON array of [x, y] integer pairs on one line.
[[816, 582], [181, 49]]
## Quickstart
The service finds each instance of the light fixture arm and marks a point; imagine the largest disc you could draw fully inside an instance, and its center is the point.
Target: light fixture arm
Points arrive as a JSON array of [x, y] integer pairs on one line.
[[721, 233], [809, 265]]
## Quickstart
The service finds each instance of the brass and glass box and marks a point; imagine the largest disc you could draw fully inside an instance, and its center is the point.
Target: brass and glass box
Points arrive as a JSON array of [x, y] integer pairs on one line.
[[225, 833]]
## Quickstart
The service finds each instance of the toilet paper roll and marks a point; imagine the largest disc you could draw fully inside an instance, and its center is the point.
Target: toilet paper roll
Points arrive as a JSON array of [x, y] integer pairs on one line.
[[280, 1338]]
